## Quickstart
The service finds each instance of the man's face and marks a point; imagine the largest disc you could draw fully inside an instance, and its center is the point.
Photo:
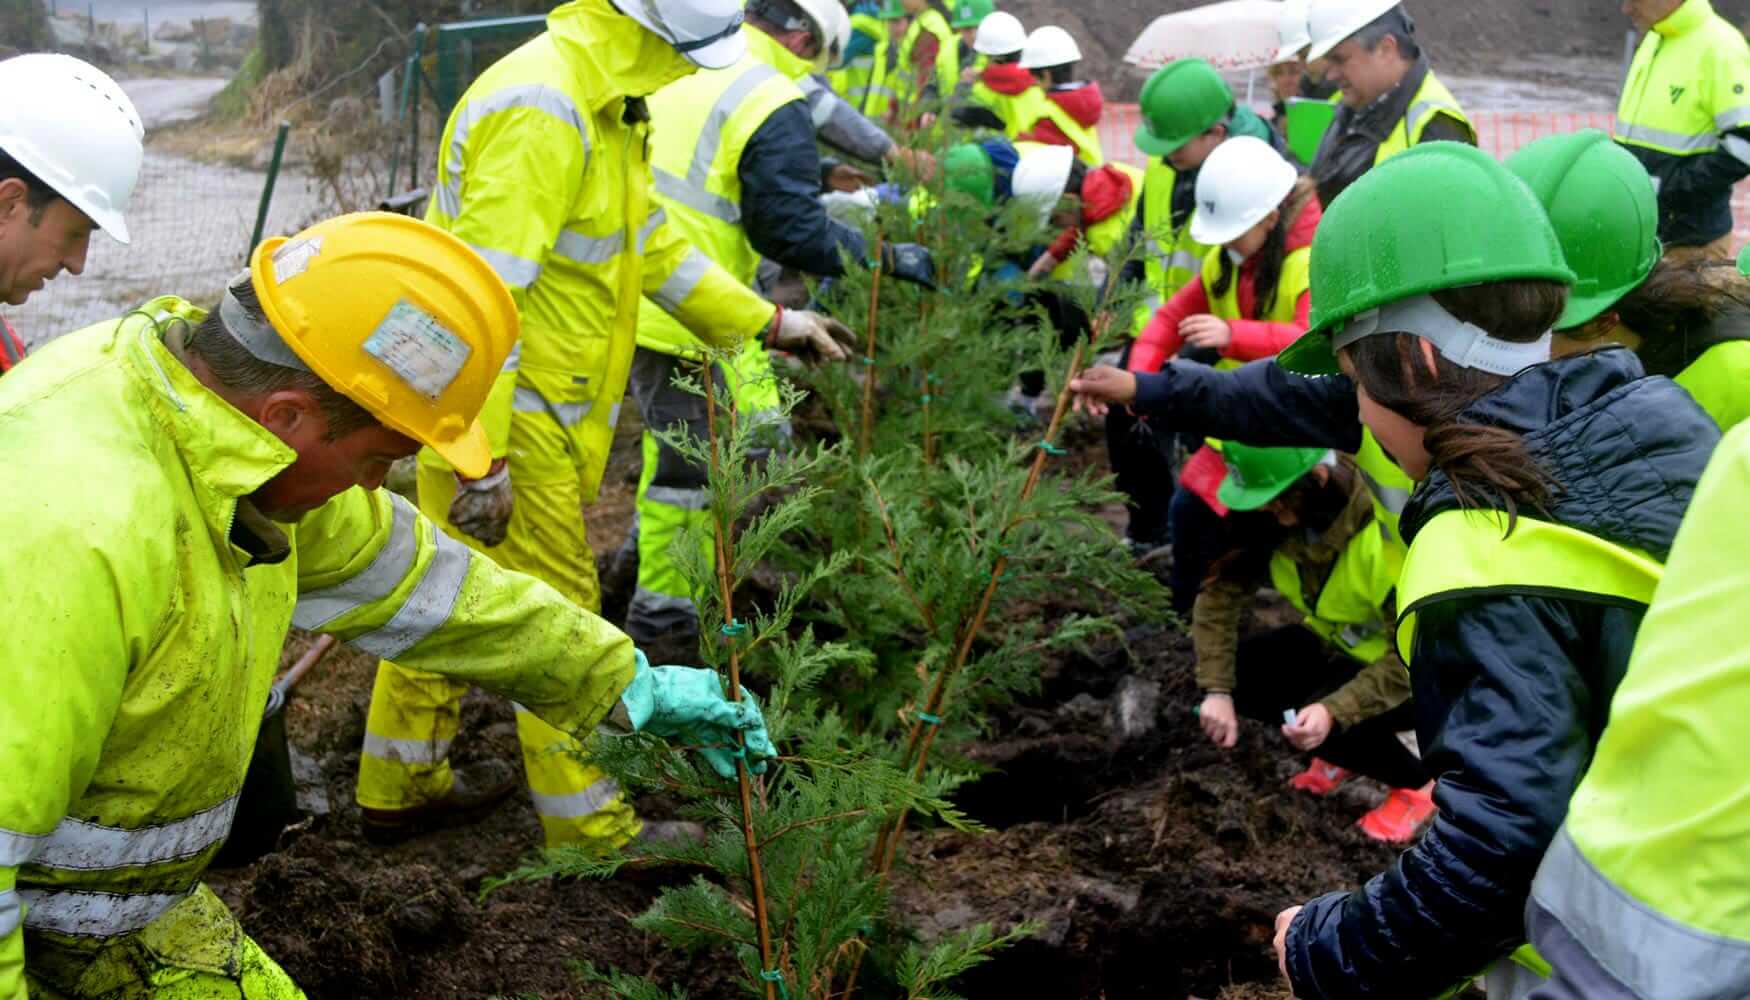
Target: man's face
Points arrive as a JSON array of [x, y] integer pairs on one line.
[[1285, 79], [1646, 13], [1191, 155], [35, 246], [324, 468], [1365, 76], [800, 42]]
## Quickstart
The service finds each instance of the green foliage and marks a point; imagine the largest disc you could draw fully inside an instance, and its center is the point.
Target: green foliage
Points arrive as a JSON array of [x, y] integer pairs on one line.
[[930, 568]]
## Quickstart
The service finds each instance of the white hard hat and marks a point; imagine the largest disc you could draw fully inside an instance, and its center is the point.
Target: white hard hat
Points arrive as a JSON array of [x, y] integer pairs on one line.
[[1049, 46], [1000, 34], [831, 24], [1243, 181], [706, 32], [1330, 22], [1041, 176], [1291, 31], [67, 122]]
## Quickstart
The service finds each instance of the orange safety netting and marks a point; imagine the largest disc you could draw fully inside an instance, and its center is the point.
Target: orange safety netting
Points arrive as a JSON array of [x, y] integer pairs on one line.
[[1499, 132]]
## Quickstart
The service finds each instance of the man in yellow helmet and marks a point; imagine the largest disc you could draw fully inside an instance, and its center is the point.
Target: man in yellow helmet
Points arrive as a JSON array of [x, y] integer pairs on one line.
[[544, 168], [239, 453]]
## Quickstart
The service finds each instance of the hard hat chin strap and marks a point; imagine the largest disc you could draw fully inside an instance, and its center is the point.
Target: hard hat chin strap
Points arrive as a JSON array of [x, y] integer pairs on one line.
[[1463, 344], [260, 339]]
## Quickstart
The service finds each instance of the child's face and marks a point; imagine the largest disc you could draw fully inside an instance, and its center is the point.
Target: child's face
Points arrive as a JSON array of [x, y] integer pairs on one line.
[[1401, 438]]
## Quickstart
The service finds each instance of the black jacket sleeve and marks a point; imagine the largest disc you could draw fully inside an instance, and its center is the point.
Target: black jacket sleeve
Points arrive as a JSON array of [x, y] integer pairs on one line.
[[1704, 175], [1443, 129], [1507, 716], [780, 206], [977, 116], [1260, 403]]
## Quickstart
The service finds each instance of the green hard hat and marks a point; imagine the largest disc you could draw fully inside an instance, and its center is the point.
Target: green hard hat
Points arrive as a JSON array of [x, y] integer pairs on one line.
[[967, 13], [967, 168], [1256, 476], [1180, 102], [891, 10], [1601, 202], [1744, 261], [1443, 215]]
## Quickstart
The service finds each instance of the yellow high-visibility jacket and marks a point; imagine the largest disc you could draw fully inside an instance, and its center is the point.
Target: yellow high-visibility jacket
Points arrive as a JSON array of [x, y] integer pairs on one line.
[[541, 170], [152, 601]]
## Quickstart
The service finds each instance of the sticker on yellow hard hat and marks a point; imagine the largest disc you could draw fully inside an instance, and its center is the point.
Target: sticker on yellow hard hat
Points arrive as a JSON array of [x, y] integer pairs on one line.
[[421, 351], [294, 258]]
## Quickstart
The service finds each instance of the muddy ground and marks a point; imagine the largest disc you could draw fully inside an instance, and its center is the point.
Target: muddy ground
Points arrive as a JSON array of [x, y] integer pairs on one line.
[[1155, 862]]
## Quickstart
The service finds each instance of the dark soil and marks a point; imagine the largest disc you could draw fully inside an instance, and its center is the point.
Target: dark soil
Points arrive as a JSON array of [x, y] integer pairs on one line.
[[1154, 862]]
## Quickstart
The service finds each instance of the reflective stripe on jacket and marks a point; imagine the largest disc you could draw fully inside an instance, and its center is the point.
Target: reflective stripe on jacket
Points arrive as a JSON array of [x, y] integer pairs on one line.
[[707, 120], [1685, 114], [1431, 100], [158, 601], [544, 169], [1645, 891]]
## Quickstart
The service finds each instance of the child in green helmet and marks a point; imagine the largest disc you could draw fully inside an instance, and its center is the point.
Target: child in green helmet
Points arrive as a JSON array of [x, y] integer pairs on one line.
[[1331, 682], [1547, 493]]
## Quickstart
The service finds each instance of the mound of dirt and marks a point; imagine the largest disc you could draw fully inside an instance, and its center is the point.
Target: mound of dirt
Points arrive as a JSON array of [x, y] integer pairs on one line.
[[1483, 37]]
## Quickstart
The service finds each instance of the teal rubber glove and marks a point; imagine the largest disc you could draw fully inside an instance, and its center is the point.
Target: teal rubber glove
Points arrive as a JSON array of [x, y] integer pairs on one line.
[[686, 705]]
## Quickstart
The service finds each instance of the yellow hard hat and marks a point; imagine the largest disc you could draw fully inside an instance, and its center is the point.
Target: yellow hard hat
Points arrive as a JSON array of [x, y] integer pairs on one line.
[[400, 317]]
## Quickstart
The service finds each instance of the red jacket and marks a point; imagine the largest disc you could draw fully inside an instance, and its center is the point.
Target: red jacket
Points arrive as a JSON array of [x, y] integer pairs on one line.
[[1008, 79], [1105, 193], [1083, 102], [1252, 339]]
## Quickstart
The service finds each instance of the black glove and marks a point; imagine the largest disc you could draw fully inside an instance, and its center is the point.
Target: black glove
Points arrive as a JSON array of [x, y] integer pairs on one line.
[[909, 262]]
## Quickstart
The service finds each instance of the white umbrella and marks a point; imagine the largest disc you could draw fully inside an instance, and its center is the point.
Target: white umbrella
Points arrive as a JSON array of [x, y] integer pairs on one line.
[[1232, 35]]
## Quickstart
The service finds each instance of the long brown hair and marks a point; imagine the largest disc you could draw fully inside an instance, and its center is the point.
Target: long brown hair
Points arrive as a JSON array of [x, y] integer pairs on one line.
[[1684, 308], [1488, 466]]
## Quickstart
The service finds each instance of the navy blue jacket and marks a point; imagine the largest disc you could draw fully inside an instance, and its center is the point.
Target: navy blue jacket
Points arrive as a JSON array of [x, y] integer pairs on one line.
[[1511, 689], [780, 198]]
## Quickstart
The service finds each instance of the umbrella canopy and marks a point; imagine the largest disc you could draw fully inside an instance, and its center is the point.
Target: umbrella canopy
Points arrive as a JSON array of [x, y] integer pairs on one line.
[[1232, 35]]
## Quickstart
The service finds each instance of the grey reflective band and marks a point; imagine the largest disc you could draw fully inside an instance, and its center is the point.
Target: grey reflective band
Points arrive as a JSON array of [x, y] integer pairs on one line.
[[681, 283], [1677, 142], [1391, 498], [583, 249], [578, 804], [95, 914], [11, 912], [674, 496], [653, 220], [1422, 110], [406, 751], [1732, 118], [428, 607], [692, 190], [535, 96], [1647, 951], [698, 199], [374, 583], [258, 338], [1738, 148], [77, 845], [17, 848], [1463, 344], [526, 400], [517, 272]]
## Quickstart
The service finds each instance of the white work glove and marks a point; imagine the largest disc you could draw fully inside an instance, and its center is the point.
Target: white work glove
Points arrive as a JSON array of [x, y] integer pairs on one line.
[[802, 332], [481, 509]]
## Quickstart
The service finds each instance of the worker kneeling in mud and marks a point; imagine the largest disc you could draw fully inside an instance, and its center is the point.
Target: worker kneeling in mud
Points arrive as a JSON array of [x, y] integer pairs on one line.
[[185, 486], [1333, 681]]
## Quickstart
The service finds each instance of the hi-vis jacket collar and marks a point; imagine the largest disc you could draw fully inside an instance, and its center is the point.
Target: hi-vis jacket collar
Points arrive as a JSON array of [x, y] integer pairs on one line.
[[1463, 344]]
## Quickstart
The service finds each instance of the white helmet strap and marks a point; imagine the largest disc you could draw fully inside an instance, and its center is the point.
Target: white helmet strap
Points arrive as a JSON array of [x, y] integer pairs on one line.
[[257, 337], [1463, 344]]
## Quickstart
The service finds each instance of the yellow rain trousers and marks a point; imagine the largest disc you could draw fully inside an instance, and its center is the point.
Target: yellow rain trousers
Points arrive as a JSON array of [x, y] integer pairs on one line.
[[544, 169]]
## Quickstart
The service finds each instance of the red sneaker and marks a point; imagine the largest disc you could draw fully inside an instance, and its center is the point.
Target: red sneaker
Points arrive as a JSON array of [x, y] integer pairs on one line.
[[1398, 819], [1320, 778]]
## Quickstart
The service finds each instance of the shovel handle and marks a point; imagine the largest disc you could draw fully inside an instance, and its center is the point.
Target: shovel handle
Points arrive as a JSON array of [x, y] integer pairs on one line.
[[311, 657]]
